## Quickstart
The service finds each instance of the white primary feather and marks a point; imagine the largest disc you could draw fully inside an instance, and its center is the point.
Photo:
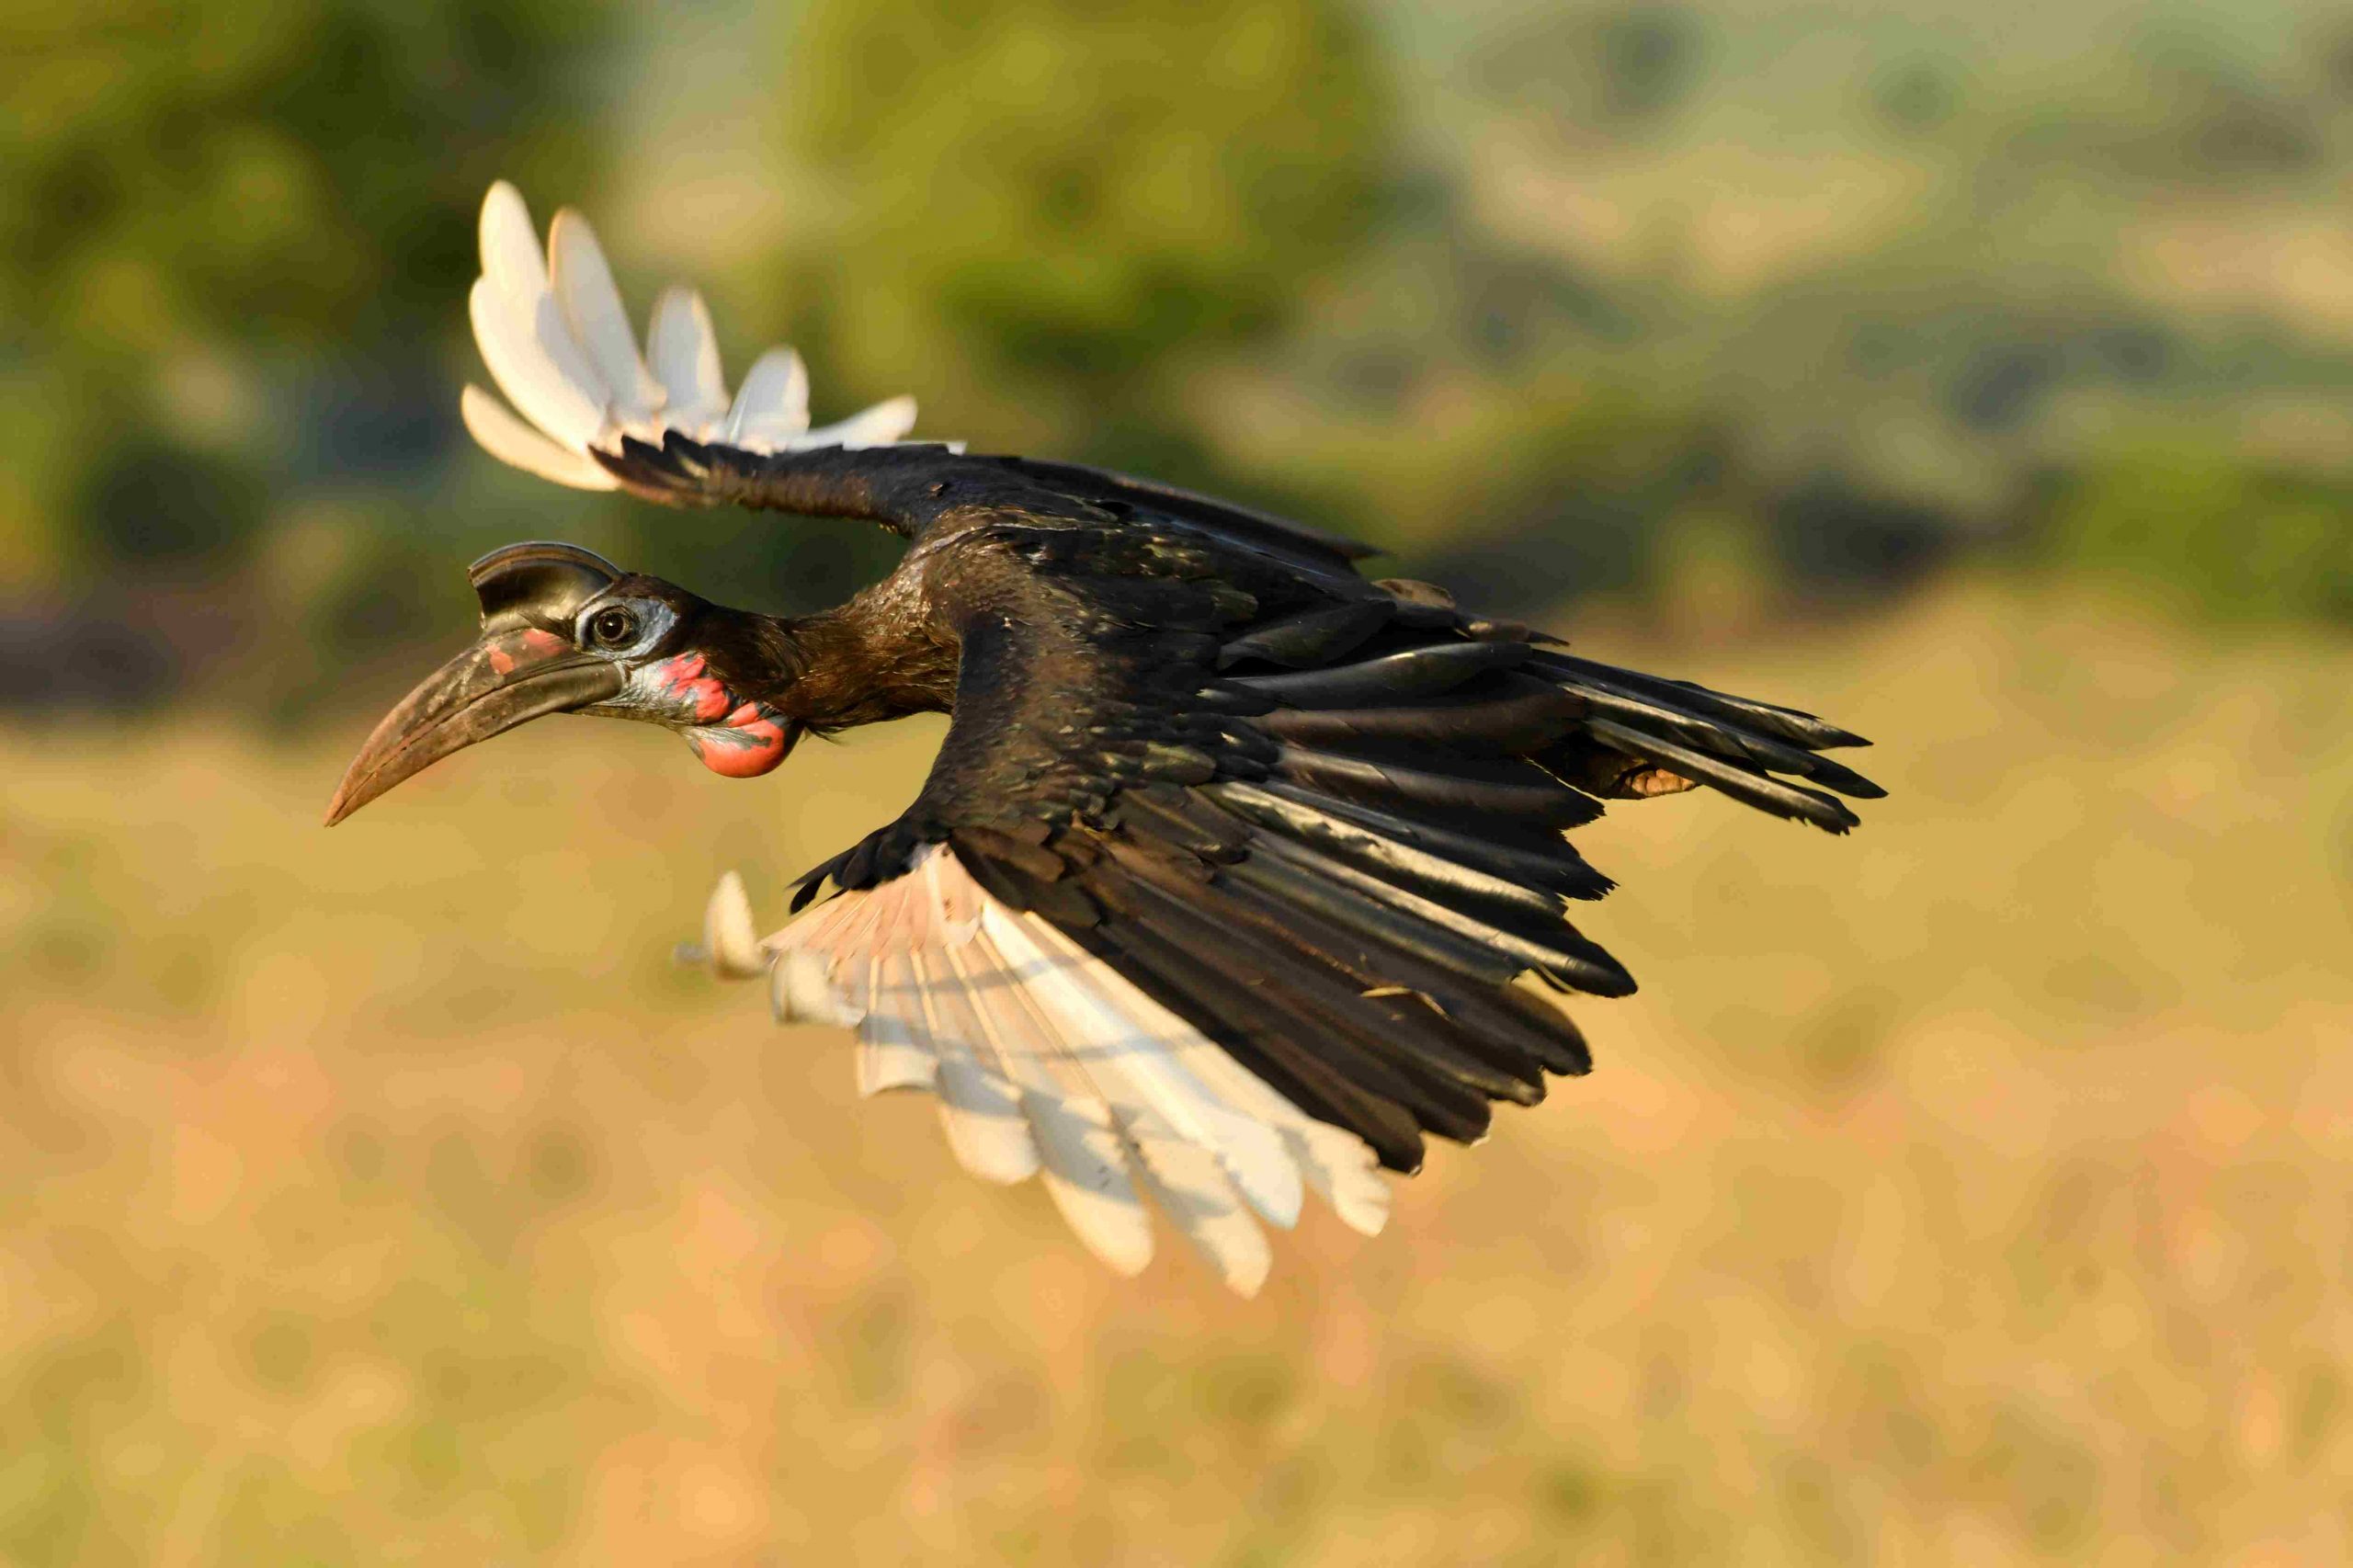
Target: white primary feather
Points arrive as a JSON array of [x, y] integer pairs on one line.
[[511, 257], [1145, 1047], [684, 352], [517, 445], [1182, 1176], [1341, 1166], [772, 406], [1184, 1180], [880, 425], [1046, 1061], [1086, 1175], [533, 359], [892, 1053], [836, 928], [856, 937], [1085, 1159], [978, 1106], [552, 327], [800, 991], [901, 917], [582, 282], [728, 938]]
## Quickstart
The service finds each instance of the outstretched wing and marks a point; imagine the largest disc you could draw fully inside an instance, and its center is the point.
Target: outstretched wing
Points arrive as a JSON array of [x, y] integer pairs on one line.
[[596, 414], [1238, 875]]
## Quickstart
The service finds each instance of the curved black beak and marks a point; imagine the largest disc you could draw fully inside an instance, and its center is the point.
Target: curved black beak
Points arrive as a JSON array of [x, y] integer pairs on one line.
[[520, 667], [508, 677]]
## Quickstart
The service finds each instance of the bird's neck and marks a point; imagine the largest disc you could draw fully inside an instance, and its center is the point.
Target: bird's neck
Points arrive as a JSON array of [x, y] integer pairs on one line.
[[858, 664]]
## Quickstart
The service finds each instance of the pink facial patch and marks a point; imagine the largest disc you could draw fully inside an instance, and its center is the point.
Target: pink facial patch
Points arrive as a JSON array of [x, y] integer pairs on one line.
[[533, 641], [687, 681], [736, 740]]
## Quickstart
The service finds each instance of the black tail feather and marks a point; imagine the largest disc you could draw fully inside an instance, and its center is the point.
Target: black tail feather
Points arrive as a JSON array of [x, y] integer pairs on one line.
[[1743, 784]]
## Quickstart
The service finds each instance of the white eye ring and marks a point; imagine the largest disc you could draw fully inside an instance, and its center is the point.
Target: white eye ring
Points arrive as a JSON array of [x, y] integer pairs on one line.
[[623, 625]]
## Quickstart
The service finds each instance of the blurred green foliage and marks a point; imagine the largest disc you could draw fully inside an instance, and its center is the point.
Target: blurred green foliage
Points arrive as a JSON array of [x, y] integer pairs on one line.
[[1537, 295], [2227, 536], [1072, 195], [207, 207], [1596, 72], [1044, 218]]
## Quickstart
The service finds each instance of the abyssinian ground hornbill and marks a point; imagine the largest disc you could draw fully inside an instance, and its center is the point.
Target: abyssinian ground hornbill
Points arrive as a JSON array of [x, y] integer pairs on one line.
[[1235, 867]]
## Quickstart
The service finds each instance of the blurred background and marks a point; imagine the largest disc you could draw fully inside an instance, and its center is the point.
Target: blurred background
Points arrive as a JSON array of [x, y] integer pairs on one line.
[[1969, 1191]]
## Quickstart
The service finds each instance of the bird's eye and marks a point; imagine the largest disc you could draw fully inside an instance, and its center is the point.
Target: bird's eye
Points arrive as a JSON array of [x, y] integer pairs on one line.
[[613, 626]]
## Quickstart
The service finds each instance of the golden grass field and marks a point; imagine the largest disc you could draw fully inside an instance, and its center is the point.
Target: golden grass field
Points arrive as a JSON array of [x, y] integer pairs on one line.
[[1971, 1190]]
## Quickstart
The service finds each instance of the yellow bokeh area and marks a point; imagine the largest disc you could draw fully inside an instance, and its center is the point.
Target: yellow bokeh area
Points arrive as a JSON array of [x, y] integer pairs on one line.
[[1969, 1189]]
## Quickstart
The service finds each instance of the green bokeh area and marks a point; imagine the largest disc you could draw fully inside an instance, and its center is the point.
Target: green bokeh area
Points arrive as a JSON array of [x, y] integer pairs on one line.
[[1536, 296]]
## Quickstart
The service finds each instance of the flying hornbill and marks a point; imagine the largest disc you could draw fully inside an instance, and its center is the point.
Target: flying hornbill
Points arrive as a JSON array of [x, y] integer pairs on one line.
[[1235, 867]]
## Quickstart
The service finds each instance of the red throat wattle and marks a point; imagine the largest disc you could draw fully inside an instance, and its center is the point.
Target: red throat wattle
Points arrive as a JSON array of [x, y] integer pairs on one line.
[[747, 744], [735, 739]]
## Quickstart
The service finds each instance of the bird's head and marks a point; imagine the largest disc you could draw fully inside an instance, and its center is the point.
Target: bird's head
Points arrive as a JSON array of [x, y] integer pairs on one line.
[[563, 630]]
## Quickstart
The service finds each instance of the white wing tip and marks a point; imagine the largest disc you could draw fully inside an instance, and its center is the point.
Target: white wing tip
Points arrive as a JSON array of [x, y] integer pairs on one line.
[[1045, 1062], [730, 948], [501, 203], [539, 359], [728, 933]]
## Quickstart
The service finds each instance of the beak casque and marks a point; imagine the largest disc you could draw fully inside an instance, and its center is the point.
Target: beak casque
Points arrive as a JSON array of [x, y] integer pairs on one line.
[[524, 666]]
